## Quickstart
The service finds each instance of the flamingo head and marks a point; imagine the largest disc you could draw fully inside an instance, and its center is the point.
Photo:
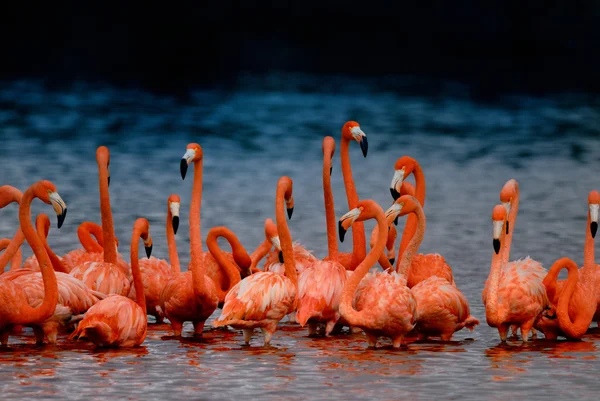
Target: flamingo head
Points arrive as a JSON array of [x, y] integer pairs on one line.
[[498, 220], [46, 192], [364, 210], [147, 243], [103, 159], [174, 204], [594, 205], [193, 153], [507, 194], [403, 205], [328, 152], [272, 236], [351, 131], [403, 168]]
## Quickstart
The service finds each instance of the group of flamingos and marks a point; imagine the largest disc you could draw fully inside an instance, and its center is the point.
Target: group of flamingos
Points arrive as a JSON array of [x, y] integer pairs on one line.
[[96, 295]]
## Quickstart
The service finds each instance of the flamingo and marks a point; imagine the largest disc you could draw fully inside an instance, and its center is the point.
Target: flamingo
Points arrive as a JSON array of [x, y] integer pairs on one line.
[[384, 306], [15, 261], [422, 266], [91, 251], [15, 308], [573, 301], [321, 284], [191, 296], [514, 293], [442, 309], [351, 131], [8, 195], [271, 238], [117, 321], [156, 272], [112, 275], [264, 298]]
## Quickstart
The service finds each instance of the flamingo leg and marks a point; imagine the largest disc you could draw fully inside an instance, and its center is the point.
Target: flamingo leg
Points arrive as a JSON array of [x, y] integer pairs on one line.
[[247, 335], [313, 329], [371, 340], [177, 327], [268, 333], [51, 331], [198, 328], [4, 336], [525, 328], [329, 326], [503, 331], [446, 336], [39, 335]]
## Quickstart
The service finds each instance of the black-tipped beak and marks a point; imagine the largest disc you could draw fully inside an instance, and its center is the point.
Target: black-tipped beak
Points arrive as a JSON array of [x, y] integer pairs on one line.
[[342, 231], [593, 228], [330, 170], [183, 166], [392, 260], [364, 146], [109, 180], [395, 194], [396, 220], [175, 222], [496, 245], [290, 211], [280, 256], [61, 217], [507, 227], [148, 251]]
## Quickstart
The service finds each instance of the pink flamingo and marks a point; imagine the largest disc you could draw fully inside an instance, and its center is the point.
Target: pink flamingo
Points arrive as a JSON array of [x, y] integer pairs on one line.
[[513, 293], [15, 261], [112, 275], [321, 284], [422, 266], [8, 195], [15, 308], [442, 309], [91, 251], [264, 298], [117, 321], [156, 272], [385, 307], [573, 301], [191, 296]]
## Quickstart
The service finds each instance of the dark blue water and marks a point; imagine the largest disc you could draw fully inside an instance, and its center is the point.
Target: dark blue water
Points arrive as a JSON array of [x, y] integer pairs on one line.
[[251, 137]]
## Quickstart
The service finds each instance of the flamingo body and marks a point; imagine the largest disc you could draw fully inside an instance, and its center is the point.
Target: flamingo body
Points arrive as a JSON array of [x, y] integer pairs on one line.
[[424, 266], [104, 277], [302, 256]]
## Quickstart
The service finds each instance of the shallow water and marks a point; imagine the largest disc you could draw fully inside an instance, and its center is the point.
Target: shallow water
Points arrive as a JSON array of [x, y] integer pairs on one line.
[[250, 138]]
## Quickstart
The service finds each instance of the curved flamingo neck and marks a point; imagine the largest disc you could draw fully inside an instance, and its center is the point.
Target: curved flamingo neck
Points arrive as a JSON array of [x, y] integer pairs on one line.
[[259, 253], [15, 261], [231, 270], [353, 316], [43, 227], [359, 241], [332, 245], [46, 309], [140, 229], [85, 232], [584, 317], [411, 222], [588, 271], [173, 256], [383, 260], [492, 313], [196, 254], [10, 194], [285, 238], [108, 229], [512, 218], [415, 242]]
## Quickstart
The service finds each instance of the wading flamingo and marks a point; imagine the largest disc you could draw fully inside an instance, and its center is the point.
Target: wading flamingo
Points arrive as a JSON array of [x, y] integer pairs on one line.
[[423, 266], [513, 293], [91, 251], [156, 272], [351, 132], [442, 309], [573, 302], [117, 321], [264, 298], [321, 284], [191, 296], [74, 297], [8, 195], [110, 276], [385, 306], [14, 306], [15, 261]]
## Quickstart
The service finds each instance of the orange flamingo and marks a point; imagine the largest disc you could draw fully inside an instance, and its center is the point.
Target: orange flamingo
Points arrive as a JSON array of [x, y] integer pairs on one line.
[[271, 238], [423, 266], [91, 251], [321, 284], [513, 293], [573, 301], [117, 321], [15, 261], [74, 297], [112, 275], [264, 298], [8, 195], [156, 272], [442, 309], [385, 307], [15, 308], [191, 296], [351, 132]]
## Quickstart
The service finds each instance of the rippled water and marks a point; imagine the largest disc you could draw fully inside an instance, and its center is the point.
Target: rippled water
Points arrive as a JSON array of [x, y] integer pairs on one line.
[[250, 138]]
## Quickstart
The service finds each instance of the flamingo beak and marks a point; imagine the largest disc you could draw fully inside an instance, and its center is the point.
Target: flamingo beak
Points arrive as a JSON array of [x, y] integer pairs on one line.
[[108, 171], [497, 231], [185, 161], [289, 204], [60, 207], [330, 170], [174, 208], [594, 207], [361, 138], [148, 246], [280, 256], [392, 260], [393, 212], [346, 221], [397, 183]]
